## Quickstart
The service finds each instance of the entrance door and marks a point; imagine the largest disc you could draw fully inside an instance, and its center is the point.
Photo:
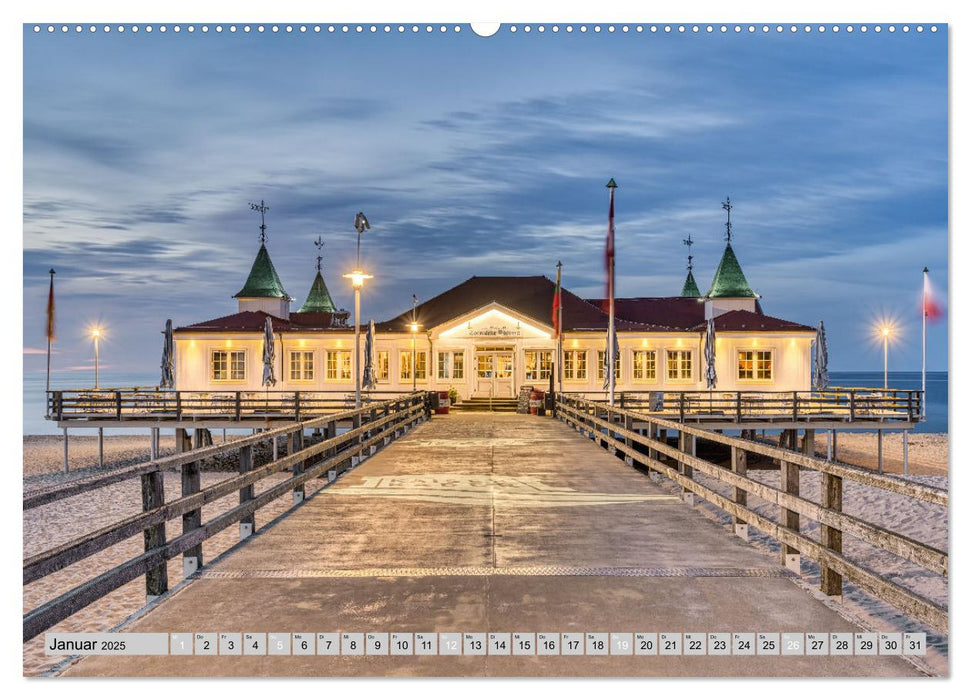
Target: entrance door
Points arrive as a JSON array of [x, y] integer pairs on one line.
[[494, 372]]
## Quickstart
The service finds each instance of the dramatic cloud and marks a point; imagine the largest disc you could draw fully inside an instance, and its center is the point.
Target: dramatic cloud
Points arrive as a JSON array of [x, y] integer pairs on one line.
[[479, 156]]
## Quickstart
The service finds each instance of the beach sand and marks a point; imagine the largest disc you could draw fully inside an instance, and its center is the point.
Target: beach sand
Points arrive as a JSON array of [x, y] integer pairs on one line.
[[927, 452]]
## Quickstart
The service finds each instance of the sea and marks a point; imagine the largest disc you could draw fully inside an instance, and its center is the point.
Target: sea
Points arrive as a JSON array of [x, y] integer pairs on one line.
[[34, 401]]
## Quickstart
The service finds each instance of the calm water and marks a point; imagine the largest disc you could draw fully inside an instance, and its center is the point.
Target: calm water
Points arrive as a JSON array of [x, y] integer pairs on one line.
[[34, 423]]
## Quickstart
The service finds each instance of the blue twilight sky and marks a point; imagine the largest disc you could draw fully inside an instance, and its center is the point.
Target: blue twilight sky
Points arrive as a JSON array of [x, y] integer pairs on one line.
[[482, 156]]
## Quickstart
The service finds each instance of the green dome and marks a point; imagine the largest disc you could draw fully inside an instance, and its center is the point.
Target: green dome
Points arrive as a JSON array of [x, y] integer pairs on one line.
[[318, 300], [690, 288], [729, 279], [263, 282]]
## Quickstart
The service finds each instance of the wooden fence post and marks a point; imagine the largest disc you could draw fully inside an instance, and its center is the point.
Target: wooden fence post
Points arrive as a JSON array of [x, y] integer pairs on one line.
[[153, 496], [684, 468], [239, 406], [118, 405], [191, 483], [739, 495], [790, 518], [178, 405], [628, 441], [355, 424], [831, 583], [296, 406], [294, 445], [248, 523], [662, 436]]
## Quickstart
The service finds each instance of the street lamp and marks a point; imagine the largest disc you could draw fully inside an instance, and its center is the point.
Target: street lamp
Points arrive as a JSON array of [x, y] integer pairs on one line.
[[885, 331], [96, 334], [357, 278], [414, 333]]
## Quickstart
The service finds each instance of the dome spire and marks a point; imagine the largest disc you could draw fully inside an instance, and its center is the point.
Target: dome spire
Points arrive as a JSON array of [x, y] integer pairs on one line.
[[690, 288], [318, 299]]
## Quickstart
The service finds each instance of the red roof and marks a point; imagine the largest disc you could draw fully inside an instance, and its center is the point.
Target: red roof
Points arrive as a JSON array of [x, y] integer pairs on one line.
[[530, 296], [254, 322], [749, 321]]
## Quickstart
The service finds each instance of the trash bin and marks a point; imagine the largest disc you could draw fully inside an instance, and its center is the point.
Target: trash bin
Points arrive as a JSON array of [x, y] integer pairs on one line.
[[442, 402], [535, 401]]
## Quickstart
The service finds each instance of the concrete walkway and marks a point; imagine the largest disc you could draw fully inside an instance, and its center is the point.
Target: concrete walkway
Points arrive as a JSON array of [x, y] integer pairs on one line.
[[493, 523]]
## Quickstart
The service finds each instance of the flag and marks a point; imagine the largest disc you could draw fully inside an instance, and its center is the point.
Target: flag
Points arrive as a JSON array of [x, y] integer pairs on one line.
[[50, 310], [610, 242], [932, 308], [556, 305]]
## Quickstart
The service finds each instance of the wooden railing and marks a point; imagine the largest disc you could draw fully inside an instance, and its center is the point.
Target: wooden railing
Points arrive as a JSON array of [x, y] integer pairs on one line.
[[132, 403], [613, 429], [852, 404], [372, 427]]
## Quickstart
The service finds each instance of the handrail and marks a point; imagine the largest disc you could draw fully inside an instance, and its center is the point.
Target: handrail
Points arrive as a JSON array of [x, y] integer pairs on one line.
[[374, 425], [612, 428]]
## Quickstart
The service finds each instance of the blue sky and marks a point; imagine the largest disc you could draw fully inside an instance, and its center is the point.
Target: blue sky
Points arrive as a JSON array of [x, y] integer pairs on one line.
[[481, 156]]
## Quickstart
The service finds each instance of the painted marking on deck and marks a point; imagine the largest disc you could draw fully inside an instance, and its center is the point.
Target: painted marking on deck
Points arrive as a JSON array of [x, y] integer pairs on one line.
[[449, 571], [510, 491]]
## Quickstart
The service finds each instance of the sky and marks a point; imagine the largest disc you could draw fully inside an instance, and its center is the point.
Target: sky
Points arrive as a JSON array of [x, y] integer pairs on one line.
[[481, 156]]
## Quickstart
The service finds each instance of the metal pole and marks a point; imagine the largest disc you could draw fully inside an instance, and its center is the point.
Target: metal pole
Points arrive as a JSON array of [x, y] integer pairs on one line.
[[886, 340], [414, 369], [923, 349], [95, 362], [101, 447], [357, 338]]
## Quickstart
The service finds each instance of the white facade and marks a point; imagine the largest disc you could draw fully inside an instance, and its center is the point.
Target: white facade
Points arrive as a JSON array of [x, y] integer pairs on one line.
[[493, 351]]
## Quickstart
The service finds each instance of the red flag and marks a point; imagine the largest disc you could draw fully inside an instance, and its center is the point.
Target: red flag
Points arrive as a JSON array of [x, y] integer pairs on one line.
[[50, 310], [610, 241], [932, 309], [556, 305]]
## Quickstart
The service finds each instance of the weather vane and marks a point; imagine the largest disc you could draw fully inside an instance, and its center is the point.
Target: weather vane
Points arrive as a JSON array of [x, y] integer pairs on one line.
[[727, 206], [688, 242], [320, 249], [262, 209]]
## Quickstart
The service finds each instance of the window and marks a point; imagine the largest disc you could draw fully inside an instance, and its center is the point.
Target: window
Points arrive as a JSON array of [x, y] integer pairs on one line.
[[539, 364], [451, 365], [574, 364], [645, 365], [301, 366], [421, 364], [679, 364], [228, 365], [755, 364], [381, 368], [601, 360], [338, 365]]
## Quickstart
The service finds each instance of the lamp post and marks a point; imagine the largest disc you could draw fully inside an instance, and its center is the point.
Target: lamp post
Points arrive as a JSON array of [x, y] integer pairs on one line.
[[414, 332], [96, 334], [885, 332], [357, 278]]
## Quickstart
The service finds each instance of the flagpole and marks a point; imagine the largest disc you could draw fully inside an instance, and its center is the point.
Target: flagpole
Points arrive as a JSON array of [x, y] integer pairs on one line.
[[610, 290], [50, 331], [559, 329], [923, 347]]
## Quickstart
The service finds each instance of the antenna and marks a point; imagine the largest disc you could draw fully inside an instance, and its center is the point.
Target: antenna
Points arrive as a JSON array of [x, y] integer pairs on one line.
[[262, 209], [320, 249], [727, 206], [688, 242]]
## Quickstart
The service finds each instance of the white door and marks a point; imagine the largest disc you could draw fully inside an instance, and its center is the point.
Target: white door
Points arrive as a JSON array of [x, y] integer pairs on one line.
[[494, 374]]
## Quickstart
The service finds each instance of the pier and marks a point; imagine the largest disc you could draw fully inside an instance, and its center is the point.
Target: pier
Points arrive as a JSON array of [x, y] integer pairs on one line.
[[496, 522]]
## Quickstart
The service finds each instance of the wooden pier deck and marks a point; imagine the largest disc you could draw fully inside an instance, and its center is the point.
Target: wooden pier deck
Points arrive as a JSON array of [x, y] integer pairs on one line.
[[492, 523]]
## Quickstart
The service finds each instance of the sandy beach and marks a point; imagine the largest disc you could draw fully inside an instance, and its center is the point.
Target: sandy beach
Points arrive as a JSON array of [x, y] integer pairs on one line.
[[927, 452]]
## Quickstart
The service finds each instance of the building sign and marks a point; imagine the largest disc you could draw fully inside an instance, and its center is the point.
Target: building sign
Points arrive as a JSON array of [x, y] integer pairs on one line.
[[494, 332]]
